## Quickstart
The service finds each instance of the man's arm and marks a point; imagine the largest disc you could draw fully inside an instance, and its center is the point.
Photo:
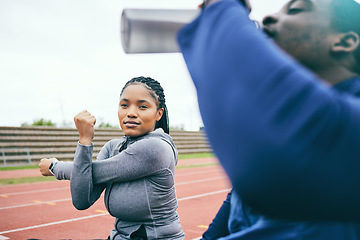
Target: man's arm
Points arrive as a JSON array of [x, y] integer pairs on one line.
[[288, 143], [246, 3], [219, 226]]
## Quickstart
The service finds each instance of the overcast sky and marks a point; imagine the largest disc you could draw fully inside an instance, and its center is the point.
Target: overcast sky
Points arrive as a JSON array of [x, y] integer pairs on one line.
[[60, 57]]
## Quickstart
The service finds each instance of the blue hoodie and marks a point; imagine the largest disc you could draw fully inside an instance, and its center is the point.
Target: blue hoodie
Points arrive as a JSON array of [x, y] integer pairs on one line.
[[289, 143], [236, 220]]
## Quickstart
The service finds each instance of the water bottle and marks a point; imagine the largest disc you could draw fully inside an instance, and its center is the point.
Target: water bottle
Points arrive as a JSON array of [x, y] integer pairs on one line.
[[153, 30]]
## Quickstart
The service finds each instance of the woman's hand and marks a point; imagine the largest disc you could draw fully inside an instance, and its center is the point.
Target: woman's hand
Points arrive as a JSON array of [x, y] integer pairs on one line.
[[44, 166], [85, 123]]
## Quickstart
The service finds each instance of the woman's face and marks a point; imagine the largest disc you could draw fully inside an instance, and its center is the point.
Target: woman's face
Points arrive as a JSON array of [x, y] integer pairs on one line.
[[138, 111]]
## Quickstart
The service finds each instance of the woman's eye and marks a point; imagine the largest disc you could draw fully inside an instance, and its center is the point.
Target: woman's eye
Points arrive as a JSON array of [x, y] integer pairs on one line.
[[143, 107], [123, 105]]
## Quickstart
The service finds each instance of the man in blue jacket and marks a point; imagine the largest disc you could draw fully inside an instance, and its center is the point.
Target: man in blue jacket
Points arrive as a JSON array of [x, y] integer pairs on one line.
[[288, 141], [236, 220]]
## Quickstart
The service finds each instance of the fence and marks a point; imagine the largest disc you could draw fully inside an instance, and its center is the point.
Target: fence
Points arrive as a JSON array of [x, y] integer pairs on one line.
[[27, 145]]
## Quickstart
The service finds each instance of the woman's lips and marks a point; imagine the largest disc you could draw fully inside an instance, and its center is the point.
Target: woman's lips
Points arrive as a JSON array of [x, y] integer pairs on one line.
[[131, 124]]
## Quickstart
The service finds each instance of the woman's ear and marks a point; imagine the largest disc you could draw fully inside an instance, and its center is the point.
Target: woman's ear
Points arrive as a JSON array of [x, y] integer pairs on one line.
[[346, 43], [159, 114]]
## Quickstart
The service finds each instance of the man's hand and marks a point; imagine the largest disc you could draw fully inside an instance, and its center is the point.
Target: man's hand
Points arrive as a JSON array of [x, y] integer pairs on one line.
[[44, 166], [85, 123]]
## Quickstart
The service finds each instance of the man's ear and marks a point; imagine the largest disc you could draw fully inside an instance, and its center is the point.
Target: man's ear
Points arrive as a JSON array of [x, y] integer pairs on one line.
[[346, 43]]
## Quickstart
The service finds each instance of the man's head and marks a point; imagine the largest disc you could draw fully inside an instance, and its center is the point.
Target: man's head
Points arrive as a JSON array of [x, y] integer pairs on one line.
[[347, 19], [321, 34]]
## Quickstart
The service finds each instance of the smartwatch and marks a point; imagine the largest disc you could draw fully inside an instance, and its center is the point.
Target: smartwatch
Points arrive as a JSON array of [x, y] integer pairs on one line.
[[52, 165]]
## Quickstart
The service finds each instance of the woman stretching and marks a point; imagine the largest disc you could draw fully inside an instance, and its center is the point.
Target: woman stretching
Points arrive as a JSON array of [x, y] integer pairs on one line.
[[136, 171]]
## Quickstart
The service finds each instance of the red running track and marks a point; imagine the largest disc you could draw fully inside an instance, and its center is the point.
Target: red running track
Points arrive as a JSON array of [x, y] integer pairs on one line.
[[45, 211]]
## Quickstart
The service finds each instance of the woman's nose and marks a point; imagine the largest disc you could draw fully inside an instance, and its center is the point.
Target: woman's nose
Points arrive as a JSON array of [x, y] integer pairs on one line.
[[132, 112]]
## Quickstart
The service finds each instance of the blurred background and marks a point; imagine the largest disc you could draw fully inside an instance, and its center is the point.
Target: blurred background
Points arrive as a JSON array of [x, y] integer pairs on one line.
[[60, 57]]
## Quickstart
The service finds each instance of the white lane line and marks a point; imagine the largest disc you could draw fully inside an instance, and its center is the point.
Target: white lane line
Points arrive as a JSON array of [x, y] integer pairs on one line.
[[64, 188], [67, 199], [202, 195], [35, 191], [102, 214], [195, 173], [199, 181], [53, 223], [3, 237], [37, 203]]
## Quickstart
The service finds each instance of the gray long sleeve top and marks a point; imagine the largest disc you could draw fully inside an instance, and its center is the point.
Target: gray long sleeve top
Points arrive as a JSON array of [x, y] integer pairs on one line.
[[138, 181]]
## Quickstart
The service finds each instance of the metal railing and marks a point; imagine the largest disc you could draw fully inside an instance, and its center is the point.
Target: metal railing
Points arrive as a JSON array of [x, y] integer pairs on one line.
[[5, 157]]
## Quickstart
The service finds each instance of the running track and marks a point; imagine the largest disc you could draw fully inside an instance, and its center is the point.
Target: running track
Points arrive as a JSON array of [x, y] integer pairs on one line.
[[45, 211]]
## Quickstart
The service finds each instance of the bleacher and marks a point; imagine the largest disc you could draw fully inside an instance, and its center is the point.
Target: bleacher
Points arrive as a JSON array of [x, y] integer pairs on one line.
[[27, 145]]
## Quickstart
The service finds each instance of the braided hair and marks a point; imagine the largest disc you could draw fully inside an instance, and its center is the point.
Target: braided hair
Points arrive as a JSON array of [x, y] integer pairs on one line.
[[157, 92]]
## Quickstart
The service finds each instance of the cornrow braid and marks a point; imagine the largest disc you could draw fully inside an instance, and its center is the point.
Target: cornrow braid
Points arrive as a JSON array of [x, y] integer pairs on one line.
[[157, 92]]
